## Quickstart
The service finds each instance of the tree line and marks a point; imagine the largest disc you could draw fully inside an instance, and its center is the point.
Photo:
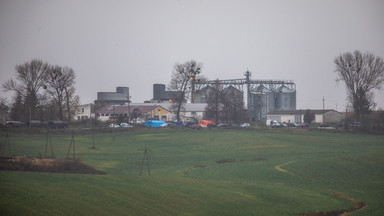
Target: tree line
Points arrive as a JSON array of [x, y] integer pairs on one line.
[[42, 92], [46, 92]]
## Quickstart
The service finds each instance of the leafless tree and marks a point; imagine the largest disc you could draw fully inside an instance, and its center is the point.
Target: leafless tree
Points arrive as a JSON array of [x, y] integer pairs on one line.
[[60, 79], [72, 102], [29, 83], [361, 73], [233, 109], [4, 108], [183, 76]]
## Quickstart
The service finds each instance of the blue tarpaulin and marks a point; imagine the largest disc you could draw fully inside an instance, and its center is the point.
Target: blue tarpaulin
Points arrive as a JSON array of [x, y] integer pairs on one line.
[[154, 123]]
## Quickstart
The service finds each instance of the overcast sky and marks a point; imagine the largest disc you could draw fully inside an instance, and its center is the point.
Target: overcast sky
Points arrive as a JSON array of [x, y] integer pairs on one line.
[[136, 43]]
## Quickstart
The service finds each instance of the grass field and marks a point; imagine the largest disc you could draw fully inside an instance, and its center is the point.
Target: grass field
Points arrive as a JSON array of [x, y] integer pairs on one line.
[[207, 172]]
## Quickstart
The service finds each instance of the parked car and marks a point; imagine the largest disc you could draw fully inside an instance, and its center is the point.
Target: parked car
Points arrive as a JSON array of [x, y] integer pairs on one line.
[[35, 123], [222, 125], [154, 123], [211, 125], [292, 125], [164, 125], [189, 123], [245, 125], [302, 125], [356, 124], [195, 126], [325, 126], [55, 124], [114, 125], [125, 125], [15, 124], [138, 121], [274, 124]]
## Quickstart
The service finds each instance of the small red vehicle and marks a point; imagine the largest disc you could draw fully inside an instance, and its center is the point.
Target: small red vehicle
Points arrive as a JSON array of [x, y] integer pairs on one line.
[[195, 126]]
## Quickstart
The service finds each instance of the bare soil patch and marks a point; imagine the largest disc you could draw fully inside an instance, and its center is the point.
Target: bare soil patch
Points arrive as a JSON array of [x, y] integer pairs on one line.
[[54, 165], [184, 172], [357, 205]]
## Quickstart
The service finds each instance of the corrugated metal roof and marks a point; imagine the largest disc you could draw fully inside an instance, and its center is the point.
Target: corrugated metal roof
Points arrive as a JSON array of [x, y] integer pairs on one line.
[[108, 109], [299, 112]]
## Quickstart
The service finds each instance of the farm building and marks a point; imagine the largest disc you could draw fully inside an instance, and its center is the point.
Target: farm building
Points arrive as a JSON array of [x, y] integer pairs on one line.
[[139, 110], [321, 116], [161, 111]]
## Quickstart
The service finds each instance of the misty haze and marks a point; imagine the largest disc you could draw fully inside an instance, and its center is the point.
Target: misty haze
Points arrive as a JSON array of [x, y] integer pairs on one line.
[[181, 107]]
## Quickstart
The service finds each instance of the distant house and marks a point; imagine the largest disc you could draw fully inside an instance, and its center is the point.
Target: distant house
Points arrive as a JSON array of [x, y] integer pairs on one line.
[[321, 116], [112, 112], [83, 112], [188, 112]]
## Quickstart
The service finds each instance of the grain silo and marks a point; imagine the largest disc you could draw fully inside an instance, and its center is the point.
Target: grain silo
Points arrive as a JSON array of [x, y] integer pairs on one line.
[[263, 100], [285, 98]]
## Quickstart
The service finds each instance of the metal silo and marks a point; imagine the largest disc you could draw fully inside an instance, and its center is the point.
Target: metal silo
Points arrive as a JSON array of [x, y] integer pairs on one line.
[[263, 100], [124, 91], [285, 98]]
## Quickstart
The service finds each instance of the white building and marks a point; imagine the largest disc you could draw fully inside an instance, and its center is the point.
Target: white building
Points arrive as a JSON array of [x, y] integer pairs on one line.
[[84, 111], [321, 116]]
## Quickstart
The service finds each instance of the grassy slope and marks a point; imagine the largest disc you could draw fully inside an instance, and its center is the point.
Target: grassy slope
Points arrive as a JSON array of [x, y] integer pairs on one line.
[[298, 174]]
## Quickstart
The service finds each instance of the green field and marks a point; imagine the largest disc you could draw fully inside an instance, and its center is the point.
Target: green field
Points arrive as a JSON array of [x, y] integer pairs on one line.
[[207, 172]]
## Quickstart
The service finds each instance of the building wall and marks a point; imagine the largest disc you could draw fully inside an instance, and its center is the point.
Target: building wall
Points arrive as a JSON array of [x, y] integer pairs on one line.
[[288, 118], [84, 112], [121, 95], [161, 113], [318, 118], [332, 117]]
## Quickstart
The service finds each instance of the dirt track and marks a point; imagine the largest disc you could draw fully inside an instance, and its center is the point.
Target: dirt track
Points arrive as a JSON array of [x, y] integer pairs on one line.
[[56, 165]]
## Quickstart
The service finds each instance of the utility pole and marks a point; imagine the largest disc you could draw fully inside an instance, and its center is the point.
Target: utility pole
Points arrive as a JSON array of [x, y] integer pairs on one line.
[[192, 79], [323, 102], [145, 158]]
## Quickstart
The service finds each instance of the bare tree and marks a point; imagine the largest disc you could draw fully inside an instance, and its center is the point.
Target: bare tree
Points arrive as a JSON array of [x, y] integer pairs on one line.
[[72, 102], [4, 108], [60, 79], [29, 82], [233, 105], [361, 72], [183, 76]]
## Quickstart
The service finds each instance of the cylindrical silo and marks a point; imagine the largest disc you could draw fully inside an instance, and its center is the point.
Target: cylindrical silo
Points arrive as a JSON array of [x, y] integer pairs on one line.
[[263, 101], [285, 98]]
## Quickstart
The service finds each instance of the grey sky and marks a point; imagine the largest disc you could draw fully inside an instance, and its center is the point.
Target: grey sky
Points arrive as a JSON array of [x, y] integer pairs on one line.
[[136, 43]]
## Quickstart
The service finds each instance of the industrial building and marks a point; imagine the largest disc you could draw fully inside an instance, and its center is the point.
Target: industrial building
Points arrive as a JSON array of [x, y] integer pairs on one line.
[[162, 111], [121, 96], [263, 96], [265, 99], [161, 95]]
